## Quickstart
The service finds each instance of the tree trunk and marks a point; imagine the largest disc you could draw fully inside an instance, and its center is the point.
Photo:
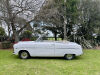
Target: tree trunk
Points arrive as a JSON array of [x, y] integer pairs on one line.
[[65, 31], [65, 21], [8, 25], [55, 36], [9, 31], [15, 33], [62, 38]]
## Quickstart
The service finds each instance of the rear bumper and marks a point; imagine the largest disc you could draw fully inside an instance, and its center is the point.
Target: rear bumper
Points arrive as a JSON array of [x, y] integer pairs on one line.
[[79, 54]]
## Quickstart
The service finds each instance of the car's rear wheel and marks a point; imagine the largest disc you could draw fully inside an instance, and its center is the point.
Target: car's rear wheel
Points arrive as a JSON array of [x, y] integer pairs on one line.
[[69, 56], [24, 55]]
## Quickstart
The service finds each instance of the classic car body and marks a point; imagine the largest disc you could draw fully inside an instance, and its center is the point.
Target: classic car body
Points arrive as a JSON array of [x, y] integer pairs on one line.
[[47, 49]]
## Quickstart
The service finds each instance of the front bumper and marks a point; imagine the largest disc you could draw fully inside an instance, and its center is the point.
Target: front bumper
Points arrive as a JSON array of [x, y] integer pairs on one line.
[[14, 53]]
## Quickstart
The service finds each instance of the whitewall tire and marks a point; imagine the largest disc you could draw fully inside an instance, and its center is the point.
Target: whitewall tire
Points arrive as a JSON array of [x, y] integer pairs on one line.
[[69, 56], [24, 55]]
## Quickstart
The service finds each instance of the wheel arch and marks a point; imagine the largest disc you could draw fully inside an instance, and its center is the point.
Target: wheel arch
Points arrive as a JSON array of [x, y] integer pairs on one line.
[[69, 53], [22, 51], [69, 58]]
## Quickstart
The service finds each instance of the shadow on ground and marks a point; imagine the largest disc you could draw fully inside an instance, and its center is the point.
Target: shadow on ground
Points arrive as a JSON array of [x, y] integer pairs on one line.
[[49, 58]]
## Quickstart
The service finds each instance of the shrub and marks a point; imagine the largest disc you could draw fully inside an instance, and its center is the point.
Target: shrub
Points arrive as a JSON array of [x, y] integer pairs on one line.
[[33, 38], [6, 44], [26, 34], [2, 34]]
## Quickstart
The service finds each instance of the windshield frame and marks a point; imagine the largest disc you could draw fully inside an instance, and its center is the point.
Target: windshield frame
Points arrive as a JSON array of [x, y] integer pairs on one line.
[[40, 38]]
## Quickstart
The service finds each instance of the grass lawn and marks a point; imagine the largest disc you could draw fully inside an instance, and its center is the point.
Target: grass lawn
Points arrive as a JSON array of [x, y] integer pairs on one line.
[[58, 39], [87, 64]]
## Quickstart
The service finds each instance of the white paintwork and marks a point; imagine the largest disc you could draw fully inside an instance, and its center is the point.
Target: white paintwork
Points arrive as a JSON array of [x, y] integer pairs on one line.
[[48, 49]]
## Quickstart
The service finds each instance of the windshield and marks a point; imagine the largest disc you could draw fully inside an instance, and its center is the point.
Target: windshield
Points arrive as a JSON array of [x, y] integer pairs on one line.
[[41, 38]]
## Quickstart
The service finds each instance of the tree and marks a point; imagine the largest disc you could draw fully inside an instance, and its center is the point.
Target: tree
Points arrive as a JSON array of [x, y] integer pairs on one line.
[[23, 9], [81, 17], [48, 14], [59, 14], [89, 20]]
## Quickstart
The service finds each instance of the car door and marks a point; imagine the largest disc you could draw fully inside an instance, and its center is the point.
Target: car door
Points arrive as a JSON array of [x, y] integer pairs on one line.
[[60, 49], [44, 49]]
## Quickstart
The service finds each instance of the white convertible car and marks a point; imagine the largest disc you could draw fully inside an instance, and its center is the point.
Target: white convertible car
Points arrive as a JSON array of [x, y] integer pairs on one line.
[[40, 48]]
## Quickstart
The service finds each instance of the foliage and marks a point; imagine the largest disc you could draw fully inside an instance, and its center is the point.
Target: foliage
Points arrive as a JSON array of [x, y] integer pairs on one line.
[[81, 17], [37, 28], [18, 14], [33, 38], [88, 22], [26, 34], [3, 35], [6, 44], [2, 32], [52, 14]]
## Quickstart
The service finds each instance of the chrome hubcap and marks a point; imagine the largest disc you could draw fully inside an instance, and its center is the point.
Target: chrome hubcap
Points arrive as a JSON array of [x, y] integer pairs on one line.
[[24, 55], [69, 56]]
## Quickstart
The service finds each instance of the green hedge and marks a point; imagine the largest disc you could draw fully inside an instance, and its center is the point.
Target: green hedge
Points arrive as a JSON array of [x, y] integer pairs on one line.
[[6, 44]]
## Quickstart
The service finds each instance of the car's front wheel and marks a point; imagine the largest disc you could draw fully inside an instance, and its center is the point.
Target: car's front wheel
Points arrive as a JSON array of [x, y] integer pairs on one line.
[[69, 56], [24, 55]]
